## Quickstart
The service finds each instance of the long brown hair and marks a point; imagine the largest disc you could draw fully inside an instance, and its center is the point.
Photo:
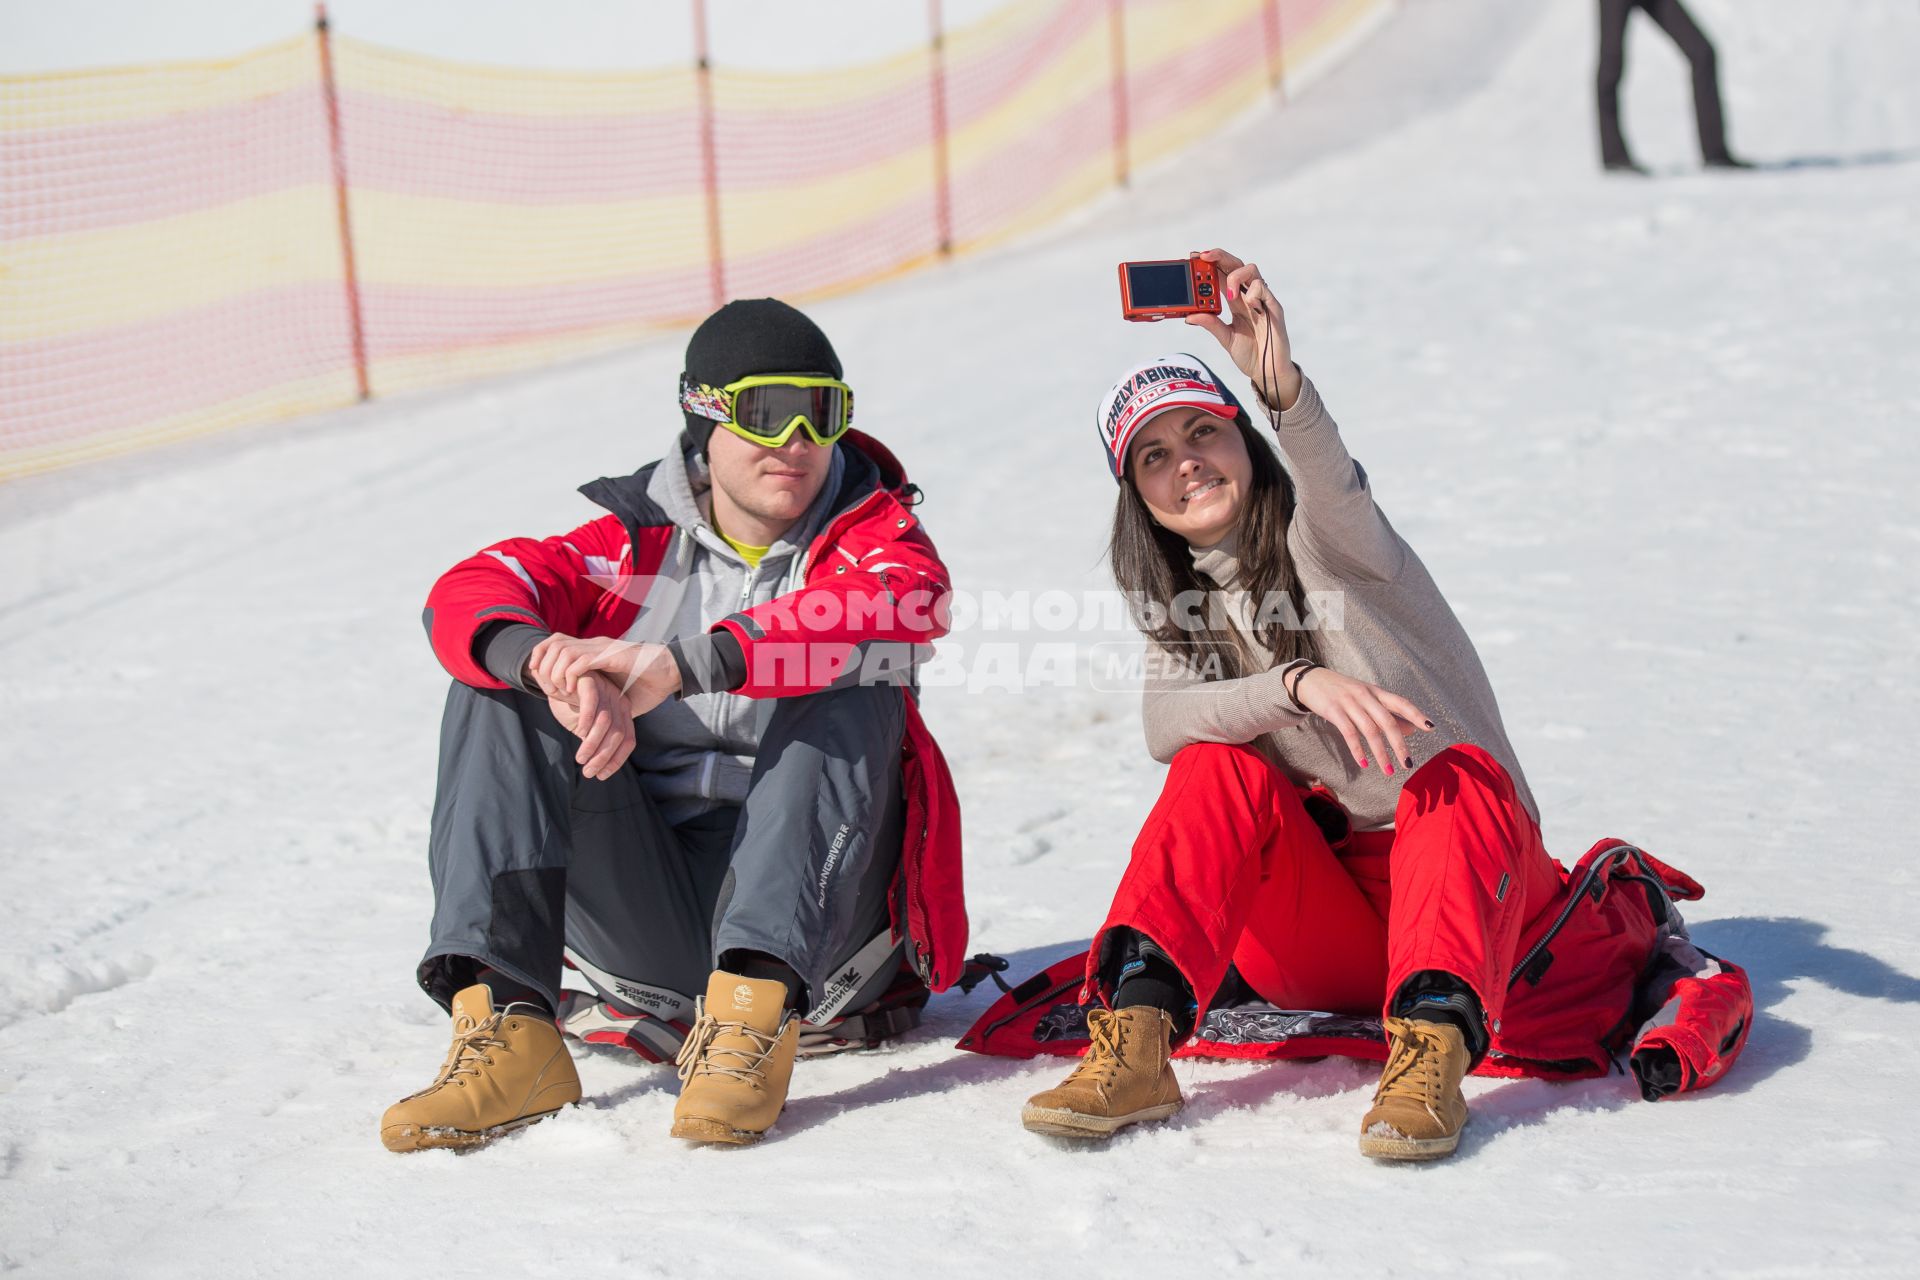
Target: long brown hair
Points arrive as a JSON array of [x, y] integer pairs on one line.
[[1153, 566]]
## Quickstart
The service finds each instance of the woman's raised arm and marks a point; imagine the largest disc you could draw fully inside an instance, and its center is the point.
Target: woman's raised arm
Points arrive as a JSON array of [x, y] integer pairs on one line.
[[1334, 511]]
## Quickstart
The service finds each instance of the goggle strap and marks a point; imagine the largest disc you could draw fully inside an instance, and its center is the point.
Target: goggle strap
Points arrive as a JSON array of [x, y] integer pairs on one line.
[[703, 401]]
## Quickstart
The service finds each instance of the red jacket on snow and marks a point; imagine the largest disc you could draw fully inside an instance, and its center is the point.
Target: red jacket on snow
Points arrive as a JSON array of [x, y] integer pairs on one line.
[[871, 575]]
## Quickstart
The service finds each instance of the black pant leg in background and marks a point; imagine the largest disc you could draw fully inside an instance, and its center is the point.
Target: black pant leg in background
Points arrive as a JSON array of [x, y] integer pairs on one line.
[[1686, 34], [1691, 41], [1613, 65]]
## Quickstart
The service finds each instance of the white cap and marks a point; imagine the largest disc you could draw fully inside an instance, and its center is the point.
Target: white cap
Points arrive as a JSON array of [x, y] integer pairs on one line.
[[1178, 381]]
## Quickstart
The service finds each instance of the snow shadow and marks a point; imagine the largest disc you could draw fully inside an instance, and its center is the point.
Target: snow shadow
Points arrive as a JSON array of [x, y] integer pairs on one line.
[[1776, 950], [947, 1016], [1300, 1079], [1517, 1104], [957, 1069], [1789, 164], [1027, 961], [651, 1078], [1860, 160]]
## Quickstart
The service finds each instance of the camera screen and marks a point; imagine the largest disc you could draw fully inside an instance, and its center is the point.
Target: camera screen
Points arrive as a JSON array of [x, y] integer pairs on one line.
[[1160, 284]]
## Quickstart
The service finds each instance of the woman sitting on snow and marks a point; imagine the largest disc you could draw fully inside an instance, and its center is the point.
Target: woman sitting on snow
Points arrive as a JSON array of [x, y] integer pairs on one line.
[[1345, 824]]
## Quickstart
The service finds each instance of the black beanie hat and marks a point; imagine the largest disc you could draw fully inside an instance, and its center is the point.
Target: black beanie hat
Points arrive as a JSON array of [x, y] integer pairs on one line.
[[750, 336]]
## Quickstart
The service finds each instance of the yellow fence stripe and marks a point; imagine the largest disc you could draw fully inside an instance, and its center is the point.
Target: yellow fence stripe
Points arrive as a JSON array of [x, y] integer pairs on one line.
[[63, 99], [1081, 72], [57, 285]]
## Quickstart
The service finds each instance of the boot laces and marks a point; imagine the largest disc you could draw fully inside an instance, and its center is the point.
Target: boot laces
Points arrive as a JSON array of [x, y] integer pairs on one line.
[[471, 1041], [1416, 1067], [699, 1056], [1105, 1057]]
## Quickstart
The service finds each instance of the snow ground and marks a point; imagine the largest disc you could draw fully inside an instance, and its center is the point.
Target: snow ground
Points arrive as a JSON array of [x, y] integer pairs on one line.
[[1655, 438]]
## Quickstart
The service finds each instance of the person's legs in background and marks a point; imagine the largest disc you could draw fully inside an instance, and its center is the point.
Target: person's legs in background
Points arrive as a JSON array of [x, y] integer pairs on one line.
[[1613, 65], [1691, 41]]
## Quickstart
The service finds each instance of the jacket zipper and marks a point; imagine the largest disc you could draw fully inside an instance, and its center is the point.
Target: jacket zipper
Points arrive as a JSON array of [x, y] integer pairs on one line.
[[746, 588], [1053, 993], [917, 903], [1602, 864]]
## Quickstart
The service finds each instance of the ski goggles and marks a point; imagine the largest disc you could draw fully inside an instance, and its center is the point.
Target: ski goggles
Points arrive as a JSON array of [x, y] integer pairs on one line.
[[768, 408]]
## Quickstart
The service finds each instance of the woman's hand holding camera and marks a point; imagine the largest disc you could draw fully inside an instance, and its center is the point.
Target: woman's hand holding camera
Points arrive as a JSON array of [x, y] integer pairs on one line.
[[1256, 337]]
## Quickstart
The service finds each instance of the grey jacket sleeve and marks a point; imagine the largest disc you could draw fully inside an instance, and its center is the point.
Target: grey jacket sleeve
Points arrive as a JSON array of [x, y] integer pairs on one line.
[[1334, 513], [711, 662], [1179, 707], [503, 649]]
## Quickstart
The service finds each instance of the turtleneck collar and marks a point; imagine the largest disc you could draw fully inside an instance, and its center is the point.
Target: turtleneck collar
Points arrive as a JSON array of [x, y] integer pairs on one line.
[[1221, 561]]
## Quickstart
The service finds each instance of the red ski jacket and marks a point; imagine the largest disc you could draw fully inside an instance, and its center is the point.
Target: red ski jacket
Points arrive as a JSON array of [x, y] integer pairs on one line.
[[872, 574]]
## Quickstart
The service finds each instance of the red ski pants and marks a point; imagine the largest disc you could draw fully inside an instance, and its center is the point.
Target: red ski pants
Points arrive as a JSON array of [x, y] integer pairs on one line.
[[1230, 869]]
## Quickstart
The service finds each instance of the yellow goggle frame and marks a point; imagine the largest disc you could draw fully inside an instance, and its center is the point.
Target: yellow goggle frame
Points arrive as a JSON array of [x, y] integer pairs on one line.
[[828, 399]]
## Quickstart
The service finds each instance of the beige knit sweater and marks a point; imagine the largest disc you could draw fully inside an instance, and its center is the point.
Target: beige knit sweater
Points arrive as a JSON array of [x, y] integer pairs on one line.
[[1396, 631]]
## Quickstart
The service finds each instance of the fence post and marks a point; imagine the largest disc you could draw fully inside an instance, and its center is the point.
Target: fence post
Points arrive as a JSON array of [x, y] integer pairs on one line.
[[1270, 29], [709, 166], [1117, 28], [330, 94], [942, 189]]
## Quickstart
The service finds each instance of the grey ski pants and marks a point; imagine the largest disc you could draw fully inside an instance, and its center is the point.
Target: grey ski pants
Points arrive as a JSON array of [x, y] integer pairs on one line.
[[529, 858]]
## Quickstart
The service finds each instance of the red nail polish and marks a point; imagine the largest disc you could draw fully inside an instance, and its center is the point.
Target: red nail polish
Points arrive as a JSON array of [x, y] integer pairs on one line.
[[1363, 762]]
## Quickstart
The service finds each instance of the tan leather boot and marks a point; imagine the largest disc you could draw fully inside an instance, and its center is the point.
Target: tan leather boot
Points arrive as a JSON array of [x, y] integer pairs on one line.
[[735, 1067], [1123, 1078], [506, 1070], [1418, 1111]]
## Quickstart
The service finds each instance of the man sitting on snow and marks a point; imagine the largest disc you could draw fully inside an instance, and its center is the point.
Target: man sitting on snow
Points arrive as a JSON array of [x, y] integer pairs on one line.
[[681, 754]]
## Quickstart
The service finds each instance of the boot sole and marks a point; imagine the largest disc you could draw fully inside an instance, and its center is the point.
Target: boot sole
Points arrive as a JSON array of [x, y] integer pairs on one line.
[[1380, 1147], [1059, 1122], [413, 1137], [695, 1129]]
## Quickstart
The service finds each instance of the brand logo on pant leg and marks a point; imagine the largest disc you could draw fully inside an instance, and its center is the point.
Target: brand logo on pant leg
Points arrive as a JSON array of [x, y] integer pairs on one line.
[[833, 860], [841, 988]]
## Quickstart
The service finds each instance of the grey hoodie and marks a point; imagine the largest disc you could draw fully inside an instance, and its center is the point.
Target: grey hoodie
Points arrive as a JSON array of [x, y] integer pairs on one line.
[[695, 752]]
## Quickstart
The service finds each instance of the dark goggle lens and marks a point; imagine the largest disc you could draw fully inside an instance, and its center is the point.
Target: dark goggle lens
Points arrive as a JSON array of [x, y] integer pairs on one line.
[[767, 410]]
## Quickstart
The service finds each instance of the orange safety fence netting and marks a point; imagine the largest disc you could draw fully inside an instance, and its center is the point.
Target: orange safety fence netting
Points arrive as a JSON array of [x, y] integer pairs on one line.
[[172, 256]]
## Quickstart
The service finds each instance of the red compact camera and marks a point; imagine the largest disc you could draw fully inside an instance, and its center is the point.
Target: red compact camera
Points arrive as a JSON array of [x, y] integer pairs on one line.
[[1173, 287]]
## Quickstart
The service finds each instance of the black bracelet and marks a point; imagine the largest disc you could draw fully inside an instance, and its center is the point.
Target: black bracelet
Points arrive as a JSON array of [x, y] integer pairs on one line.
[[1298, 674]]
